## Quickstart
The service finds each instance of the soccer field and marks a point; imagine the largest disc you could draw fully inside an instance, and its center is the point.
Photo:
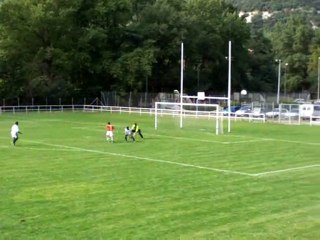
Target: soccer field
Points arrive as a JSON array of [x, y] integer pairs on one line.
[[64, 181]]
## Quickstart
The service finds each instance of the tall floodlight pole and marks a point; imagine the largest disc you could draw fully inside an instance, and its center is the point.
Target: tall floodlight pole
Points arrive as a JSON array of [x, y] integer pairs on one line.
[[181, 83], [229, 88], [279, 79], [318, 78], [285, 79], [146, 92]]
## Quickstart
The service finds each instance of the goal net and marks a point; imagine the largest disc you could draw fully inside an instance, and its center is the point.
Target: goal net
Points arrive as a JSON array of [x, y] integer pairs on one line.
[[201, 116]]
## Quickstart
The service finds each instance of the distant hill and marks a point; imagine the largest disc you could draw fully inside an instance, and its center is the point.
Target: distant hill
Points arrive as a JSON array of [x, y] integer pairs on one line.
[[274, 5]]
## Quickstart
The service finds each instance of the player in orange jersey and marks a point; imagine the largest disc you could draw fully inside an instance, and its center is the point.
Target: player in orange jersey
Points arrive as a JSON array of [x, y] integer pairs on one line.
[[109, 132]]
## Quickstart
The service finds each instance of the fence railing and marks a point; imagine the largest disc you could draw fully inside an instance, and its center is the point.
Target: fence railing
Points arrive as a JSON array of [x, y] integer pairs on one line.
[[97, 108], [312, 120], [40, 108], [73, 108]]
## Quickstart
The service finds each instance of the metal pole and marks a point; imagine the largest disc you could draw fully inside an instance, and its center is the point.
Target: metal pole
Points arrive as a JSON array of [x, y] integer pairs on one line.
[[181, 84], [156, 117], [146, 92], [285, 80], [279, 80], [198, 76], [229, 88], [318, 78]]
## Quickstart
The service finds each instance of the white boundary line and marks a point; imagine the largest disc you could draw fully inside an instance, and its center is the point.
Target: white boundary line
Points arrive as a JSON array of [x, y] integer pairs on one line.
[[280, 140], [146, 159], [253, 139], [184, 138], [290, 141], [286, 170], [59, 147], [210, 141], [38, 148]]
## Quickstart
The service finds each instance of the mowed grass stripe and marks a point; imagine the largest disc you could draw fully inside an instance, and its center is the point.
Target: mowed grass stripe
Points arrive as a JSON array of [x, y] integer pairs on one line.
[[248, 151], [230, 154], [196, 154], [132, 157], [87, 195]]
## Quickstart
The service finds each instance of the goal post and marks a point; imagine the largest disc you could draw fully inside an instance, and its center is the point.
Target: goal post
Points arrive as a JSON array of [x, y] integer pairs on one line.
[[202, 95], [188, 111]]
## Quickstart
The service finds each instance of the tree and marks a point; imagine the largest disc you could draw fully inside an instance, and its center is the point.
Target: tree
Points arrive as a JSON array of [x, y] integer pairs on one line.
[[291, 41], [160, 28], [63, 45], [313, 63], [31, 60], [261, 75]]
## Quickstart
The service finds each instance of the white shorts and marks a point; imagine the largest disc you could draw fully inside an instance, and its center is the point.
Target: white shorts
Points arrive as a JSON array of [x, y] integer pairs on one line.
[[14, 135], [109, 134]]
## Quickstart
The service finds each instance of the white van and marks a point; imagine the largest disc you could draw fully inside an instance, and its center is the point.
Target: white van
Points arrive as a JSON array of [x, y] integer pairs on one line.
[[316, 112], [306, 110]]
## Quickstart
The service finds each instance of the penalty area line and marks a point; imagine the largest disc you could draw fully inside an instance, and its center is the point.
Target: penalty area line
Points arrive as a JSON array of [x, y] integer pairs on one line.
[[210, 141], [285, 170], [59, 147], [146, 159], [189, 139]]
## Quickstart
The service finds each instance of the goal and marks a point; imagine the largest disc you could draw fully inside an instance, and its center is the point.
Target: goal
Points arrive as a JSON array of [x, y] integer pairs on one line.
[[200, 115]]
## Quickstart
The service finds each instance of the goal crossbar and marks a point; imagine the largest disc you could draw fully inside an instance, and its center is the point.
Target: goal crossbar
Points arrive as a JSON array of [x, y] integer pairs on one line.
[[188, 104], [215, 98]]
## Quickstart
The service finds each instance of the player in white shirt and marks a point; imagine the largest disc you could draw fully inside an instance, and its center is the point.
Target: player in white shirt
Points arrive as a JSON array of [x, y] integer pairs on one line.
[[128, 133], [15, 131]]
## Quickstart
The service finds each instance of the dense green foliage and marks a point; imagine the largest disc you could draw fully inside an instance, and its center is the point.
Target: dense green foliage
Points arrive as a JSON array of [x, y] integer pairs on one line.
[[64, 181], [292, 32], [60, 48]]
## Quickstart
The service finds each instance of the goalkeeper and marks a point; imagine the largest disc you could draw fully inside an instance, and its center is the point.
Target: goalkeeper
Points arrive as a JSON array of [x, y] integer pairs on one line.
[[136, 129]]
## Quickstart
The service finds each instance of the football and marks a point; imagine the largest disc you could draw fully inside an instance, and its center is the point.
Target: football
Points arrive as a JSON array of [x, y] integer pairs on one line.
[[243, 92]]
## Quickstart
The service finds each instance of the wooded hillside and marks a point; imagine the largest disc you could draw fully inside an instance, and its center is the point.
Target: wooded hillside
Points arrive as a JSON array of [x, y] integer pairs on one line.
[[80, 47]]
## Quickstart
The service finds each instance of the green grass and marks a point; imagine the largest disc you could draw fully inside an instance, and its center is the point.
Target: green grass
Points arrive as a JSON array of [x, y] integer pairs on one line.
[[64, 181]]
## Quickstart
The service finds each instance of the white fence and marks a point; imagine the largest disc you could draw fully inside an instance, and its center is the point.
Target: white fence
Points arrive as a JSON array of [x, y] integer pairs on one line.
[[39, 108], [72, 108], [99, 108], [312, 120]]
